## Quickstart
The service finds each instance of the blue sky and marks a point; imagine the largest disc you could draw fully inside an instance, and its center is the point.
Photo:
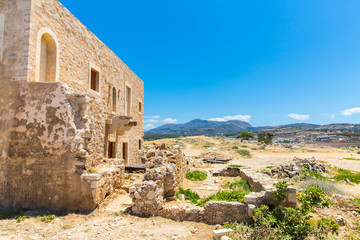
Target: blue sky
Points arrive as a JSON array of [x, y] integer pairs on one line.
[[266, 62]]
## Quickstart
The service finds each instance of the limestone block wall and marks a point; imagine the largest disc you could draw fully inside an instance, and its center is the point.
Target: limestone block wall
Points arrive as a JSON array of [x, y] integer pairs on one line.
[[42, 161], [14, 40], [23, 23], [78, 51]]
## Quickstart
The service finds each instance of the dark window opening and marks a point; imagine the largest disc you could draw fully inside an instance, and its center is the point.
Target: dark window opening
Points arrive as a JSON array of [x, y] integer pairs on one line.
[[94, 85], [140, 107], [112, 150], [114, 100]]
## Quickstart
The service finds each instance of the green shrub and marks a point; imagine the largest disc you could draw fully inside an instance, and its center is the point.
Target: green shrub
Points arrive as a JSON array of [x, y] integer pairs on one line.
[[244, 146], [243, 231], [236, 166], [288, 222], [324, 185], [262, 147], [235, 147], [357, 204], [270, 167], [304, 173], [357, 226], [327, 225], [20, 219], [225, 195], [355, 159], [241, 184], [92, 170], [196, 176], [193, 197], [254, 148], [48, 218], [358, 152], [347, 174], [244, 153], [238, 190], [208, 145]]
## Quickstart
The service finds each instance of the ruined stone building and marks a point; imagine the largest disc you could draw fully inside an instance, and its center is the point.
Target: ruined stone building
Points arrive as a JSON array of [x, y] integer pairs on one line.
[[71, 112]]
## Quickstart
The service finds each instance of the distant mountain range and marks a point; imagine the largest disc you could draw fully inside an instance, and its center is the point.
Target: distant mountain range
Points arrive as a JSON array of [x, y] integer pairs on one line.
[[232, 127], [202, 127]]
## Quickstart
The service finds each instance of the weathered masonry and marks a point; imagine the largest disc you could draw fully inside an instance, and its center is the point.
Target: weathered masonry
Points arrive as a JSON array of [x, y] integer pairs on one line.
[[71, 112]]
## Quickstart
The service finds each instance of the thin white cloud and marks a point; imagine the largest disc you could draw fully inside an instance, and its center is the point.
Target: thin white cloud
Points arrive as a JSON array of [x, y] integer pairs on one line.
[[299, 116], [351, 111], [148, 126], [155, 117], [332, 116], [150, 120], [169, 120], [245, 118]]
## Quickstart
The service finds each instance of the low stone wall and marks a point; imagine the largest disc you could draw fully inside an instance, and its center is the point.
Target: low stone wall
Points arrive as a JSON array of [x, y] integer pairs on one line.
[[262, 184], [219, 212], [214, 212], [147, 197], [105, 182]]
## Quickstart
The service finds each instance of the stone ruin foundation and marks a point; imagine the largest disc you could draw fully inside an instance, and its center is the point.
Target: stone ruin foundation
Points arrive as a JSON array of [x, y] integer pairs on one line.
[[294, 168], [165, 175]]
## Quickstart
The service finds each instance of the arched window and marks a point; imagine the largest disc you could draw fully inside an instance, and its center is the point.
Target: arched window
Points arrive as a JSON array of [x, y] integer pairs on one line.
[[48, 55], [114, 100]]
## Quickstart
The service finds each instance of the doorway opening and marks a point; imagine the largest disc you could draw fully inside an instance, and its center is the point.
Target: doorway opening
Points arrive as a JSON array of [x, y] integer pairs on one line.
[[125, 151], [112, 150]]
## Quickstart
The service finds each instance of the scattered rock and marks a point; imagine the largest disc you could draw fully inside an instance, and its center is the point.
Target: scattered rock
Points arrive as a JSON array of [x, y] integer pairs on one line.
[[340, 220], [218, 233], [181, 197], [194, 230], [225, 238], [293, 169], [218, 226]]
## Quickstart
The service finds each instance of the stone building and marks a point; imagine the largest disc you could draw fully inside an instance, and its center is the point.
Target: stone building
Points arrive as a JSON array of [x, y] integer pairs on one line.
[[71, 112]]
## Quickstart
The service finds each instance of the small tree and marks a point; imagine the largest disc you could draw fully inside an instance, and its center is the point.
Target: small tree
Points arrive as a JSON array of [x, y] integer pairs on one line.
[[265, 137], [245, 135]]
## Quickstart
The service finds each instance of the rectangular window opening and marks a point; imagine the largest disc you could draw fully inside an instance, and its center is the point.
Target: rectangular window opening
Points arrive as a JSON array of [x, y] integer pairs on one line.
[[140, 143], [94, 80], [128, 101], [140, 107]]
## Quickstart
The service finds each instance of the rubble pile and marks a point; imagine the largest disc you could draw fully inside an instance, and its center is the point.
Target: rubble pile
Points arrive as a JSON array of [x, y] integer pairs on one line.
[[165, 171], [157, 154], [296, 167]]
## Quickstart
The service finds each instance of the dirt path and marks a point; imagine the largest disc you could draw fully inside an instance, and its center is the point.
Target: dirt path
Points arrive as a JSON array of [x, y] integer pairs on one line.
[[107, 222]]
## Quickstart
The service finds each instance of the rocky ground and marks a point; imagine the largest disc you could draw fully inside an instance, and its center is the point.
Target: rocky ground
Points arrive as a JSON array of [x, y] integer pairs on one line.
[[110, 220]]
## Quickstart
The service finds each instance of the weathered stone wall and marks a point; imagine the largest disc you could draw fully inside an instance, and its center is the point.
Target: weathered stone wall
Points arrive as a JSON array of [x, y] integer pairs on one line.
[[262, 184], [14, 40], [167, 166], [148, 203], [42, 164], [78, 50], [51, 132]]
